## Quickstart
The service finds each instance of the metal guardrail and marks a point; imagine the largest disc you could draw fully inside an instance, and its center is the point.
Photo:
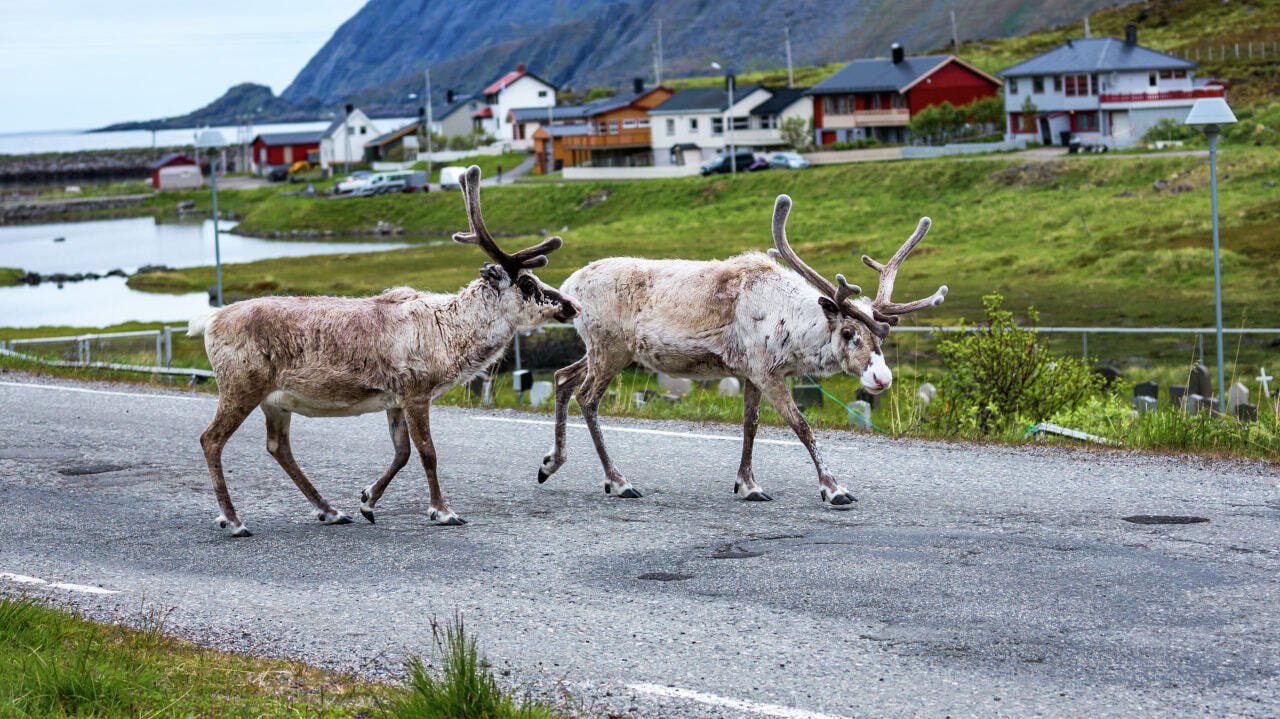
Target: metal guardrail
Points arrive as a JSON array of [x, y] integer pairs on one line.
[[84, 352]]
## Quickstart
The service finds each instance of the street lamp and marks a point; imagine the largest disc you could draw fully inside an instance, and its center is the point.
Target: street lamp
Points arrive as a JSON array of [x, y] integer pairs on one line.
[[1208, 114], [213, 141], [729, 82]]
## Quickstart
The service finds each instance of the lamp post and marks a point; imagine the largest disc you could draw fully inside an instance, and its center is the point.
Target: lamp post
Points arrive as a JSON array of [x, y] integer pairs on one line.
[[213, 141], [1208, 114], [729, 82]]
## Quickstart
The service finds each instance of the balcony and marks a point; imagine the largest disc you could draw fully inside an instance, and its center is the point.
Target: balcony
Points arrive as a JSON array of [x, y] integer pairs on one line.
[[632, 137], [892, 117], [1161, 96]]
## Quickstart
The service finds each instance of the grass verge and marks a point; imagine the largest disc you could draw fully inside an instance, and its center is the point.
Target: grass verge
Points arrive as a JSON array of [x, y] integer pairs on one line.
[[10, 275], [55, 664]]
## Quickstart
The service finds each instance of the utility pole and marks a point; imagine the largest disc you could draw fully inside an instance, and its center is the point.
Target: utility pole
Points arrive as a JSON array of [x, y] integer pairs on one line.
[[429, 148], [791, 80], [955, 36], [1086, 26], [658, 54]]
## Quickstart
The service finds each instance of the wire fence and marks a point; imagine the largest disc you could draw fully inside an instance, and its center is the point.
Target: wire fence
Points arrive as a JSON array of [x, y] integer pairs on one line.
[[1222, 52]]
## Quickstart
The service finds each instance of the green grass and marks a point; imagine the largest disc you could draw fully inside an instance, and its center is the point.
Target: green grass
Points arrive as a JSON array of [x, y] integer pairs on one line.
[[489, 164], [55, 664], [10, 275]]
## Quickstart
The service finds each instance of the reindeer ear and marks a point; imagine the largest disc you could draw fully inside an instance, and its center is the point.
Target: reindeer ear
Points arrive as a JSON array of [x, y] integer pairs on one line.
[[493, 274], [829, 306]]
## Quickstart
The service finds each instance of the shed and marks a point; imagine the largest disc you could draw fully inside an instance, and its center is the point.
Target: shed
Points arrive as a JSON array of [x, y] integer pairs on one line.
[[173, 159], [284, 148]]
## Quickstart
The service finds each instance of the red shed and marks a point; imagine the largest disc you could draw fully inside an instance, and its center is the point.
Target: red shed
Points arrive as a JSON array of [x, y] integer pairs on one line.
[[284, 148], [173, 159], [876, 97]]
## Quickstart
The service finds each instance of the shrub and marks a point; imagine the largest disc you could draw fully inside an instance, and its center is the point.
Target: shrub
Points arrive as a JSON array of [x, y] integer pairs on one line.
[[999, 374], [1169, 129], [797, 132]]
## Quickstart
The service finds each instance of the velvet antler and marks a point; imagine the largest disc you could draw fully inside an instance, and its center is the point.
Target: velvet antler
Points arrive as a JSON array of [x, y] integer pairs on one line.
[[530, 258], [886, 309]]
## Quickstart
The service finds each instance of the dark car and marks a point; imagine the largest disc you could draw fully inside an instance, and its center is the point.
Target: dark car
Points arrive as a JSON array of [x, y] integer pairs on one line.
[[278, 173], [721, 164]]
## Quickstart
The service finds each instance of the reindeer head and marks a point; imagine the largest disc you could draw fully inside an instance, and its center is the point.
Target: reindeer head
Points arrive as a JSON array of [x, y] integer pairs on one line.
[[857, 325], [512, 274]]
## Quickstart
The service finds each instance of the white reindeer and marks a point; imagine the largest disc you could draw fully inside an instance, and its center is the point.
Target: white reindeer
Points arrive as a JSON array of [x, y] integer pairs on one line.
[[396, 352], [745, 316]]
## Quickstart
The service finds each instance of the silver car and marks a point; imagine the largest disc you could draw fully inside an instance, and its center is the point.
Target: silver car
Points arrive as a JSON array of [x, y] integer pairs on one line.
[[788, 161]]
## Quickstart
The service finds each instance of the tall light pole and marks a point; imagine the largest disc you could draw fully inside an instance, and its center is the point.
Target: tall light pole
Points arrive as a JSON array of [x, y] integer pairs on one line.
[[1209, 114], [213, 141], [729, 82]]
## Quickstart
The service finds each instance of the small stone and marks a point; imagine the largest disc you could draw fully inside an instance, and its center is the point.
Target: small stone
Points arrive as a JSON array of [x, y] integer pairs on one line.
[[540, 393], [729, 387], [1144, 404]]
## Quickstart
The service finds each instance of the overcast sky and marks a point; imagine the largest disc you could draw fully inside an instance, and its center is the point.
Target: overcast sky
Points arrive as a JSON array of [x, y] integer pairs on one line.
[[73, 64]]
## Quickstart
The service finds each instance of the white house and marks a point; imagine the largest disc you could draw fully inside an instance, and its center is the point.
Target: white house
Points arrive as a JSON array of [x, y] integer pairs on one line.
[[1101, 90], [691, 126], [517, 89], [343, 140]]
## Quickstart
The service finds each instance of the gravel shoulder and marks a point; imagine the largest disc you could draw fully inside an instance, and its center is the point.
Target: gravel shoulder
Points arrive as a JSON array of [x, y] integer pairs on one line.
[[969, 580]]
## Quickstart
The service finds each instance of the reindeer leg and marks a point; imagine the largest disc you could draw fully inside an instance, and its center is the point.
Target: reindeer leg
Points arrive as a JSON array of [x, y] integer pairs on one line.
[[418, 413], [226, 420], [278, 420], [746, 483], [400, 436], [775, 390], [601, 373], [567, 380]]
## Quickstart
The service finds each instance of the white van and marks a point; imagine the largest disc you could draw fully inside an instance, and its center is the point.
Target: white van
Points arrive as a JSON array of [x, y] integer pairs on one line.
[[449, 177]]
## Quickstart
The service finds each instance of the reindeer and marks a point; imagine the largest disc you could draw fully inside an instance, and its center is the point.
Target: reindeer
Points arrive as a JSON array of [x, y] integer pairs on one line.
[[745, 316], [395, 352]]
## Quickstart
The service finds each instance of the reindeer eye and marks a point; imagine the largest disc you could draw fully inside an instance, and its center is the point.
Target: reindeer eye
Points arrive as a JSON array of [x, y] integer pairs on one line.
[[847, 334]]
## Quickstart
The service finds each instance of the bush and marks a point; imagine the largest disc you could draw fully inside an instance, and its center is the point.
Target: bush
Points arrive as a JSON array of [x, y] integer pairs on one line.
[[1169, 129], [999, 374], [797, 132], [859, 144]]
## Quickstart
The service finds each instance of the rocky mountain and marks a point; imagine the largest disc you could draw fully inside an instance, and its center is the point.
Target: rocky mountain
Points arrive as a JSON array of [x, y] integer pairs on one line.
[[244, 99]]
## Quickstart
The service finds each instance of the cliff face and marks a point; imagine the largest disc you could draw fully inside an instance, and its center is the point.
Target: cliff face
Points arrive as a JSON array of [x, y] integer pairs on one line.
[[377, 56], [244, 99]]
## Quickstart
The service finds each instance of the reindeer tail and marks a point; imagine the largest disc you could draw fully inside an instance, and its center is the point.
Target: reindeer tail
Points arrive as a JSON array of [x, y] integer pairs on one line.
[[196, 326]]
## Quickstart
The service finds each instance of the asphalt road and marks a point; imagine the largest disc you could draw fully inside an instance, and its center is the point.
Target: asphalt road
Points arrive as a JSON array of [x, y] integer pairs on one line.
[[969, 581]]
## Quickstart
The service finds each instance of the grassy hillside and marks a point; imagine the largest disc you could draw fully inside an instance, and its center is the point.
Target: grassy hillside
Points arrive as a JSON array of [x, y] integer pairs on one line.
[[1088, 241]]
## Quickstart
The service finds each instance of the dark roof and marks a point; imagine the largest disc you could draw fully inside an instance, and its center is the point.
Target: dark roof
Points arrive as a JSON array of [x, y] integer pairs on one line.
[[169, 159], [447, 110], [705, 99], [275, 139], [782, 99], [1097, 54], [393, 135], [567, 130], [878, 74], [527, 114], [586, 109]]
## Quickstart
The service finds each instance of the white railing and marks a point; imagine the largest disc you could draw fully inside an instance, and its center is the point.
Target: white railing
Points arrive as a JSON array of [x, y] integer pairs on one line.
[[84, 351]]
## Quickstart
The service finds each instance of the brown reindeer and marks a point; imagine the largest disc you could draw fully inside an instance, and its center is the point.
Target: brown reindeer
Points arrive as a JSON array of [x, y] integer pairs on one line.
[[746, 316], [396, 352]]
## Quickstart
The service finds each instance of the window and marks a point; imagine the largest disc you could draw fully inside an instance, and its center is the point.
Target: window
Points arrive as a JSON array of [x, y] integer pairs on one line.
[[642, 122], [671, 126], [1084, 122], [875, 101], [1151, 80], [1013, 86], [1180, 74], [768, 122], [542, 93], [1057, 83], [742, 123], [899, 101], [1093, 87], [827, 105], [717, 126], [602, 128], [613, 127], [363, 129], [1077, 85], [351, 130], [693, 125], [627, 124], [1166, 74], [1037, 85]]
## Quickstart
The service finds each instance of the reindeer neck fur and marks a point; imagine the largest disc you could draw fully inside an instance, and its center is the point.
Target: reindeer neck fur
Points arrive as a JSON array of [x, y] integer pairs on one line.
[[481, 320], [809, 349]]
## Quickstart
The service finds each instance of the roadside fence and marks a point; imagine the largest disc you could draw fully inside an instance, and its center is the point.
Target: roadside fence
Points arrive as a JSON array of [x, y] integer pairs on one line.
[[84, 350]]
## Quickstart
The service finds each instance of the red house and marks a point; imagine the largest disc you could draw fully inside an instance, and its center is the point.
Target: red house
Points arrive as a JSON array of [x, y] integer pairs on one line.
[[284, 148], [876, 97], [173, 159]]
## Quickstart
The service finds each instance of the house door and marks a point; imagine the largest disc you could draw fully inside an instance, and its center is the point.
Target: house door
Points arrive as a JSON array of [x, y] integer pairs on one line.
[[1046, 134], [1120, 127]]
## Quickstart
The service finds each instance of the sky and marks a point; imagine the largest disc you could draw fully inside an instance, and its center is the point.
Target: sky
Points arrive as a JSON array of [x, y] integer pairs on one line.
[[78, 64]]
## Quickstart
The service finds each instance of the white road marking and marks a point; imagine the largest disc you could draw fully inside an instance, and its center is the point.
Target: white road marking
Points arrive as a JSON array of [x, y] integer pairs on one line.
[[23, 579], [774, 710], [637, 430], [107, 392]]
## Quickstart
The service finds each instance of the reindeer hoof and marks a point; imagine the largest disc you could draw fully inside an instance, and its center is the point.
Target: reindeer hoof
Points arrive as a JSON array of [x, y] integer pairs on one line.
[[242, 532], [342, 519], [629, 493], [842, 499], [542, 475], [367, 514], [757, 496], [454, 521]]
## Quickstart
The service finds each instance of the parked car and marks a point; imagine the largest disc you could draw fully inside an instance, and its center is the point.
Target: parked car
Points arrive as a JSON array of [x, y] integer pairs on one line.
[[449, 177], [788, 161], [278, 173], [382, 183], [721, 163], [350, 183], [416, 181]]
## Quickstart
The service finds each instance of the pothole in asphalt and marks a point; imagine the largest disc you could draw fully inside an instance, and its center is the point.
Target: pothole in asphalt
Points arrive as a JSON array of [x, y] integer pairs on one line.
[[1164, 519], [729, 551], [664, 576], [83, 469]]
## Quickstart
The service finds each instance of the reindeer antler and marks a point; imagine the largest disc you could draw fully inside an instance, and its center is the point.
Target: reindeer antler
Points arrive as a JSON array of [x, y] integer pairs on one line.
[[530, 258], [782, 208], [886, 309]]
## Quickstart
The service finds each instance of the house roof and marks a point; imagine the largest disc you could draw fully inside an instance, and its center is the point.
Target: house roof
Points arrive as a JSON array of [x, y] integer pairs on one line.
[[393, 135], [276, 139], [169, 159], [458, 104], [486, 111], [1097, 54], [532, 114], [702, 99], [511, 77], [568, 130], [879, 74], [587, 109], [782, 99]]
